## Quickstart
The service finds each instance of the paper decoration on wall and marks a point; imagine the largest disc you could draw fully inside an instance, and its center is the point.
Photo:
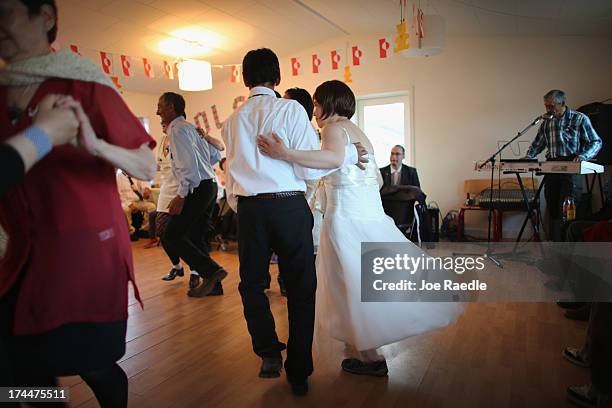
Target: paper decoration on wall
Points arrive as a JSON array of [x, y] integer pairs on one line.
[[75, 49], [126, 65], [175, 68], [218, 123], [107, 62], [238, 100], [235, 74], [168, 72], [148, 68], [347, 74], [401, 41], [335, 59], [316, 63], [357, 54], [383, 48], [115, 80], [295, 66], [196, 119]]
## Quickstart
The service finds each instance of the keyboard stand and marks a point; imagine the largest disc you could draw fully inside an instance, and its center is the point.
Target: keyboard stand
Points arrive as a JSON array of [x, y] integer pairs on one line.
[[533, 211]]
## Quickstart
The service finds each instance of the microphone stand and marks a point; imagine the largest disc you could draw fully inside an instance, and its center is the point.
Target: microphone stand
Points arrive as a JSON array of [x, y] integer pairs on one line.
[[489, 253]]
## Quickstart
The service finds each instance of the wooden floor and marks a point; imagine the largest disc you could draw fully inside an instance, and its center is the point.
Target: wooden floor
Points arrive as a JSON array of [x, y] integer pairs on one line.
[[184, 352]]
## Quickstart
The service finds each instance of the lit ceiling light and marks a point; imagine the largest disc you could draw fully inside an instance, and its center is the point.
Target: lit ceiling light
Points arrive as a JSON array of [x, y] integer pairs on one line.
[[190, 42], [194, 75]]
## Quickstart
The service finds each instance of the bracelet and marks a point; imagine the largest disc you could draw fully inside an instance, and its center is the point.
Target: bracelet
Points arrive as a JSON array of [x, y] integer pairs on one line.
[[39, 139]]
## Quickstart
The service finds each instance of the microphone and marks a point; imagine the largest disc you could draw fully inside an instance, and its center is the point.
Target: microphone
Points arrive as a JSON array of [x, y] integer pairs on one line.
[[546, 116]]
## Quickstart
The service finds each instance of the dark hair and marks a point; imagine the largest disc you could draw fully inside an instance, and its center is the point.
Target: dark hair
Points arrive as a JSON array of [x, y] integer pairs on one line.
[[277, 94], [260, 67], [222, 163], [34, 7], [335, 97], [556, 94], [303, 97], [177, 102], [401, 147]]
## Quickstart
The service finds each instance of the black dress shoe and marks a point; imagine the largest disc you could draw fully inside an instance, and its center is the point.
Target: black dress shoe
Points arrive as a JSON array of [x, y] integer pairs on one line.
[[375, 369], [582, 314], [570, 305], [194, 281], [173, 274], [299, 388], [217, 290], [270, 367]]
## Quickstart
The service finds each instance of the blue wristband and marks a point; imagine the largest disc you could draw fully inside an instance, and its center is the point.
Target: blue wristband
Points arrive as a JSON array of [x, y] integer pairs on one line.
[[39, 139]]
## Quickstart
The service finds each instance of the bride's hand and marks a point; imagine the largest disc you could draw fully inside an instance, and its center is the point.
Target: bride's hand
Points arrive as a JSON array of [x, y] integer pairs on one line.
[[272, 146]]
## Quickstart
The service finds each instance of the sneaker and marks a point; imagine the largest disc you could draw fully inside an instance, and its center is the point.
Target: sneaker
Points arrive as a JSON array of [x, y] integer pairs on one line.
[[173, 274], [194, 281], [587, 396], [576, 356], [208, 284], [375, 369]]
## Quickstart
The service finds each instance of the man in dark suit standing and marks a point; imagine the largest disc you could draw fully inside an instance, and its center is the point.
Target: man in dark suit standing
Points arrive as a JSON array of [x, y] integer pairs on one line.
[[401, 188]]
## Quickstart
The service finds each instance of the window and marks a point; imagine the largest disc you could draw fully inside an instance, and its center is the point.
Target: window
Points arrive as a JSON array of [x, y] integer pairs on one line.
[[386, 120]]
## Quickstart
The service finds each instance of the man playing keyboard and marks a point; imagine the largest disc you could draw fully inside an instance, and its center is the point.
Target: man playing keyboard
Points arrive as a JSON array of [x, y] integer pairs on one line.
[[566, 135]]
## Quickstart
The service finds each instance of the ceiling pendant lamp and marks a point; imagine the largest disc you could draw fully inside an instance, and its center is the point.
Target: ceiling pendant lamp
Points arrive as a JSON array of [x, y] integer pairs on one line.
[[194, 75], [433, 29]]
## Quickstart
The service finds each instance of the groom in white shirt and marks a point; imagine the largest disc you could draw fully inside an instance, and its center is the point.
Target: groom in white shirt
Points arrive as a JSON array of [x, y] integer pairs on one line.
[[268, 196]]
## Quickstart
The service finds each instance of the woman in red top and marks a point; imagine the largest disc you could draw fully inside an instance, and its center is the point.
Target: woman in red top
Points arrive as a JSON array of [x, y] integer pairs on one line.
[[64, 275]]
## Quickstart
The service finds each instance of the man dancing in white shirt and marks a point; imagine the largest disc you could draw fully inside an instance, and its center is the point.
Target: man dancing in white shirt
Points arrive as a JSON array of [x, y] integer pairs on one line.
[[268, 196]]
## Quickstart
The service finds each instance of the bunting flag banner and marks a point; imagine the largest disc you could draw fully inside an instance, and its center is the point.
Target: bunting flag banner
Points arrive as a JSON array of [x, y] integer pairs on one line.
[[218, 123], [204, 120], [347, 74], [238, 100], [126, 65], [335, 59], [107, 62], [401, 41], [383, 48], [295, 66], [357, 54], [419, 25], [235, 74], [52, 48], [175, 69], [115, 80], [148, 68], [75, 49], [316, 63], [168, 70]]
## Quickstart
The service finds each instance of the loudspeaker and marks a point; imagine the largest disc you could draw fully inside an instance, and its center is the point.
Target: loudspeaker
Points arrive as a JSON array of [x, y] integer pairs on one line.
[[600, 115]]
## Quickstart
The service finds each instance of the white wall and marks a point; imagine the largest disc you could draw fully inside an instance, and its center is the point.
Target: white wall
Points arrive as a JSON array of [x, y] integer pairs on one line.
[[145, 105], [477, 92]]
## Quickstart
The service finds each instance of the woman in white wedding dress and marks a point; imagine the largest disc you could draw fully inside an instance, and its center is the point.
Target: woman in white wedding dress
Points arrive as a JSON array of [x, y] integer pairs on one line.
[[354, 214]]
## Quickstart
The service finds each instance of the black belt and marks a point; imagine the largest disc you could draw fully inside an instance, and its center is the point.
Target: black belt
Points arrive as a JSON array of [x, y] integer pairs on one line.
[[271, 196]]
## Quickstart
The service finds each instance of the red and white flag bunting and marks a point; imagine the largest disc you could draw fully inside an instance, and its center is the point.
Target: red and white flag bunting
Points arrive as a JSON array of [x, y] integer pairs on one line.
[[335, 59], [295, 66], [126, 65], [357, 54], [383, 47], [107, 62], [148, 68], [75, 49], [316, 63], [235, 74], [168, 70]]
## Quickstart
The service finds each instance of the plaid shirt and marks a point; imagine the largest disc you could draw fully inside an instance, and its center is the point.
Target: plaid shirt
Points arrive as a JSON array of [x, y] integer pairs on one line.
[[568, 136]]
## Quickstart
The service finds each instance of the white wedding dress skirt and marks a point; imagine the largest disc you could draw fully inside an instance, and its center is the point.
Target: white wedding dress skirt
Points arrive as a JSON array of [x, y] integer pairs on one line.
[[354, 214]]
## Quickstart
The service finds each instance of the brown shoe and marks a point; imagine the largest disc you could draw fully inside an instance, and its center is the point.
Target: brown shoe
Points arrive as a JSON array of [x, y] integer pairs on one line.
[[151, 243], [208, 284]]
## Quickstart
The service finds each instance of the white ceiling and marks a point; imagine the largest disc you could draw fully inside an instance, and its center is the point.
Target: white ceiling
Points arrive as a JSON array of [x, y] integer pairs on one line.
[[228, 28]]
